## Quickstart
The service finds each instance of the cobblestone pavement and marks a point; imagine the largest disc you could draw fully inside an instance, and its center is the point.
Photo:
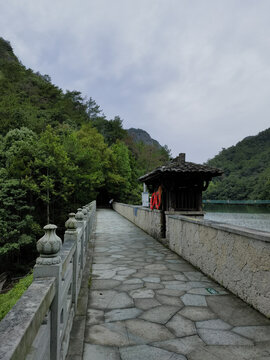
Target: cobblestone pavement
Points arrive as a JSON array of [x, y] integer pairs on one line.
[[147, 303]]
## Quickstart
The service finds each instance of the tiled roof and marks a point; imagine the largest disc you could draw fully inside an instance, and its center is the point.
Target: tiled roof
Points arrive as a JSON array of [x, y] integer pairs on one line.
[[179, 165]]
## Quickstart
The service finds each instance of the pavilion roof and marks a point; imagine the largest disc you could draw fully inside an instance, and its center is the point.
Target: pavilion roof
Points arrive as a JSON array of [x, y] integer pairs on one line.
[[180, 166]]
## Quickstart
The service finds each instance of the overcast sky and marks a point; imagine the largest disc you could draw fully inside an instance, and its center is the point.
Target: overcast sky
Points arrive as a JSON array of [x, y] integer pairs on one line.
[[195, 74]]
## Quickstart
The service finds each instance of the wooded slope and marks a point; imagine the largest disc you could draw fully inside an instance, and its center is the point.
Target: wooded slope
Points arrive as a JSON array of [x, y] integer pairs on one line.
[[246, 170], [58, 151]]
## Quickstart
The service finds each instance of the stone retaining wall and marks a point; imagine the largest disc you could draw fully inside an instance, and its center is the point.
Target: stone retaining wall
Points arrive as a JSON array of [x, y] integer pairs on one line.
[[236, 257], [148, 220]]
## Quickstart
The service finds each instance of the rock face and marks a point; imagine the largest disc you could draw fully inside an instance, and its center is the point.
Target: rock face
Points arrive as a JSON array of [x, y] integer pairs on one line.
[[143, 136]]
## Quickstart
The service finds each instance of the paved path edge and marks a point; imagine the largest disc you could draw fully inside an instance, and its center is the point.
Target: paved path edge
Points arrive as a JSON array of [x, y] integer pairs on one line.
[[76, 342]]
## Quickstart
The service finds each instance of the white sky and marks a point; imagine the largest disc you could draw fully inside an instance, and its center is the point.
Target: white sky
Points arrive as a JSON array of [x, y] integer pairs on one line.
[[195, 74]]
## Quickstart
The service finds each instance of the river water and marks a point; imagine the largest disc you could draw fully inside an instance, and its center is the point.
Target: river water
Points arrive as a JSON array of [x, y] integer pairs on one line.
[[250, 216]]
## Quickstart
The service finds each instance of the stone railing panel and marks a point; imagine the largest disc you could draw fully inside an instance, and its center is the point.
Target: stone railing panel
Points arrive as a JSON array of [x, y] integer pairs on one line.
[[20, 326], [42, 328]]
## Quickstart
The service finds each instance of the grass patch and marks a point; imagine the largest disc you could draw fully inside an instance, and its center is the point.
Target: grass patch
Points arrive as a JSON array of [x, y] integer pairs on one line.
[[9, 299]]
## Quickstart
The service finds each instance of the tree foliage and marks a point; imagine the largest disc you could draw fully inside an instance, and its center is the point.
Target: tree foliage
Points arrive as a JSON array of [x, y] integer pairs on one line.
[[58, 151], [246, 170]]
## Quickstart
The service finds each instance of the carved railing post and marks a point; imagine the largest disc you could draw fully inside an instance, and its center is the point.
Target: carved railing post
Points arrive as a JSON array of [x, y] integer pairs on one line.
[[84, 211], [87, 229], [49, 264], [71, 224], [79, 217], [71, 234], [49, 247], [81, 224]]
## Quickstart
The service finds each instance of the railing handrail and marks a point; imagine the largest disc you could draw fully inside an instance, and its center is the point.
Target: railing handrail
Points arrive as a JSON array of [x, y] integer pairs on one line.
[[17, 326]]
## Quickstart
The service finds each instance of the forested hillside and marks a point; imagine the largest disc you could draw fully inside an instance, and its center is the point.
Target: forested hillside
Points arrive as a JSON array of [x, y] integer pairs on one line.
[[58, 151], [246, 170]]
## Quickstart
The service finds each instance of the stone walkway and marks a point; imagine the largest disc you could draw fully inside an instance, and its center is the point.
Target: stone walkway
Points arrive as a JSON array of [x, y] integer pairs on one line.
[[147, 303]]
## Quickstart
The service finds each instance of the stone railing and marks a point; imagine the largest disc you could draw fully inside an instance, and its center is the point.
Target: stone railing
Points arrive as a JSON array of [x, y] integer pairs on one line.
[[39, 325]]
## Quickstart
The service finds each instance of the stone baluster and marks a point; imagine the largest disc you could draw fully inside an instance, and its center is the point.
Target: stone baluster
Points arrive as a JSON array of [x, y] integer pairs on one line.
[[49, 264], [71, 234], [81, 224], [87, 228]]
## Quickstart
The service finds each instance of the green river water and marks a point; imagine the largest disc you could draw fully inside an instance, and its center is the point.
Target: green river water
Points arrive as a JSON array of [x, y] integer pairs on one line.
[[250, 216]]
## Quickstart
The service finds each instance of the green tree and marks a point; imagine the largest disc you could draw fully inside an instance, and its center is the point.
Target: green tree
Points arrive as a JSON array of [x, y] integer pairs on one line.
[[118, 179], [54, 171], [18, 225], [18, 228], [89, 152], [112, 130]]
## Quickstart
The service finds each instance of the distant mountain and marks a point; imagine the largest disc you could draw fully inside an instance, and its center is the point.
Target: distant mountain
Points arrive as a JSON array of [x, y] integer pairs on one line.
[[246, 170], [139, 135]]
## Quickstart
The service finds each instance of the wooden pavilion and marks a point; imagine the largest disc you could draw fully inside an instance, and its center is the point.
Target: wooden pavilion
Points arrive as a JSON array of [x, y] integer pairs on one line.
[[181, 184]]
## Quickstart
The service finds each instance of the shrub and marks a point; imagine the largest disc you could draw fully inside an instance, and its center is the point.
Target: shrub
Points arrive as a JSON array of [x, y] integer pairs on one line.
[[9, 299]]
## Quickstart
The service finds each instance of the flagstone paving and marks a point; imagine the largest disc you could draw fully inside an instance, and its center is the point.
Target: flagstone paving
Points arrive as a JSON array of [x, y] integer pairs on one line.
[[146, 302]]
